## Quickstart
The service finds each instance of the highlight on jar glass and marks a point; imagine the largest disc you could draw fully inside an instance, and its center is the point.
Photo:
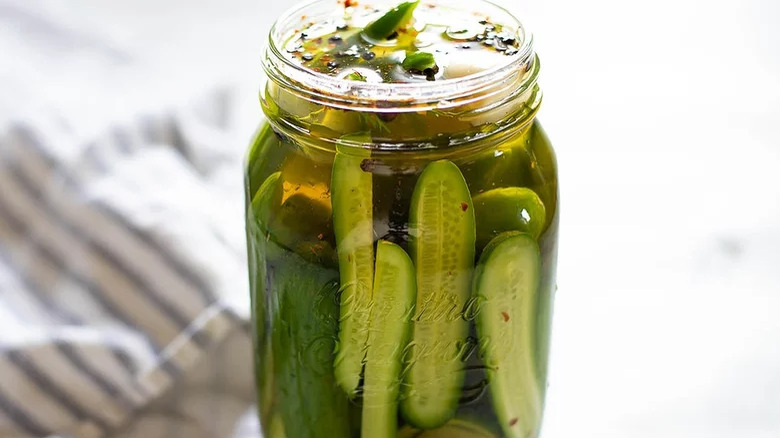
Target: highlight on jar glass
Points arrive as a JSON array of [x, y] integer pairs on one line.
[[402, 224]]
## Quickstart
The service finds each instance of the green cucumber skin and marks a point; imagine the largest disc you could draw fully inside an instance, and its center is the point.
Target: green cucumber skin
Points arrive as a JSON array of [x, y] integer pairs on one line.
[[545, 184], [305, 322], [352, 203], [506, 285], [508, 209], [265, 155], [394, 300], [294, 359], [442, 242], [258, 214], [548, 245]]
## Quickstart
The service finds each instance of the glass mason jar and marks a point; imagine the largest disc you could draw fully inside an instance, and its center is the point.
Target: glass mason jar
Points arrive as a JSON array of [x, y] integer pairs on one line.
[[402, 248]]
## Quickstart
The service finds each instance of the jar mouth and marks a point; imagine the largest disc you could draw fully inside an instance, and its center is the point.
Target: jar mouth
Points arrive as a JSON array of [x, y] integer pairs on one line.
[[397, 97]]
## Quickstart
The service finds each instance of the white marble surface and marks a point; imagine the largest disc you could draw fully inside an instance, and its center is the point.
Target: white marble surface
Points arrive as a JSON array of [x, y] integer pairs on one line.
[[666, 119]]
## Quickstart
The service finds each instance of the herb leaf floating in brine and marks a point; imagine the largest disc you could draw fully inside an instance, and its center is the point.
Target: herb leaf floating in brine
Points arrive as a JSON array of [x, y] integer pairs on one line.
[[395, 19], [356, 76], [421, 63]]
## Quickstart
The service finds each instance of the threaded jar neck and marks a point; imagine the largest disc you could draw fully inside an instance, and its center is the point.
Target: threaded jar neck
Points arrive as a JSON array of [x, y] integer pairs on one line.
[[503, 94]]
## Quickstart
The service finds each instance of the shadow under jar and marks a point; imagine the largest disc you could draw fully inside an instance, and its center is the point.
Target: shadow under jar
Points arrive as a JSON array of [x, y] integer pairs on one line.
[[402, 223]]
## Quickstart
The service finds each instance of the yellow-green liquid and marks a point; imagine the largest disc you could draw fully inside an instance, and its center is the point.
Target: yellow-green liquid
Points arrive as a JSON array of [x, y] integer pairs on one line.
[[298, 393], [315, 307]]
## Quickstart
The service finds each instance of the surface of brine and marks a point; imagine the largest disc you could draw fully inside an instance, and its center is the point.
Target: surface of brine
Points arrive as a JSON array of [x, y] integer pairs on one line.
[[414, 43]]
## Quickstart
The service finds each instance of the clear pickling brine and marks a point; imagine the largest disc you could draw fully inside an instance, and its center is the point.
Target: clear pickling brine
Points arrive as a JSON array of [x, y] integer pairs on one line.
[[402, 224]]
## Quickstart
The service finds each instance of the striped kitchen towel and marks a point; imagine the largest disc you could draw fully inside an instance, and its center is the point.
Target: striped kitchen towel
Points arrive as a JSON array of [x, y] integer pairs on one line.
[[122, 273]]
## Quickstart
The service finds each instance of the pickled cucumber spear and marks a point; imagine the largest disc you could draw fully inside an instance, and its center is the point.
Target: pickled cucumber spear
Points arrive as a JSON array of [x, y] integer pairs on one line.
[[352, 201], [394, 294], [506, 284], [442, 246]]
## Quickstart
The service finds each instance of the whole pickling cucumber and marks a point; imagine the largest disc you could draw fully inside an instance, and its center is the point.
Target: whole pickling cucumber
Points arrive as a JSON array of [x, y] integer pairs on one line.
[[442, 229], [304, 328], [301, 302], [508, 209], [506, 286]]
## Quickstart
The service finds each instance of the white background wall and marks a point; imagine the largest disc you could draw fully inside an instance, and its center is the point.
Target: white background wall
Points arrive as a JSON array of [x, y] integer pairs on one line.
[[666, 118]]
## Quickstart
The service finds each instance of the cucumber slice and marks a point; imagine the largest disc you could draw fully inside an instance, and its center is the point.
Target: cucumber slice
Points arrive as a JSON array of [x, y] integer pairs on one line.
[[351, 197], [394, 294], [442, 240], [508, 209], [506, 285]]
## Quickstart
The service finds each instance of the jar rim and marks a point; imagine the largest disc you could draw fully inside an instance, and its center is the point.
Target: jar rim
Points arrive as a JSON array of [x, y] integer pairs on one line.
[[396, 97]]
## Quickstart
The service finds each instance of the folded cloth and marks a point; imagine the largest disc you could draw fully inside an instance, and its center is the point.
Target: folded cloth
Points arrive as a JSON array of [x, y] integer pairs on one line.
[[123, 284], [118, 273]]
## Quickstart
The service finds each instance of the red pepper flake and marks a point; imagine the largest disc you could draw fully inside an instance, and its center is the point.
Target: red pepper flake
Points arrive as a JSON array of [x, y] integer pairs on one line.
[[303, 18], [350, 3], [320, 236], [464, 206], [512, 422], [505, 316]]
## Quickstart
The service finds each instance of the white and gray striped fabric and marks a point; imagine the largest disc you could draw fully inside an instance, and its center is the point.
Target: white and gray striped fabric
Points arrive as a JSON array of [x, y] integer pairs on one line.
[[123, 284], [116, 281]]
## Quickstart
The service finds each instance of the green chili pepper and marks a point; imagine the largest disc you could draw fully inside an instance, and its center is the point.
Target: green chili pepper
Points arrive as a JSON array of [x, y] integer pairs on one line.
[[420, 62], [356, 76], [396, 18]]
